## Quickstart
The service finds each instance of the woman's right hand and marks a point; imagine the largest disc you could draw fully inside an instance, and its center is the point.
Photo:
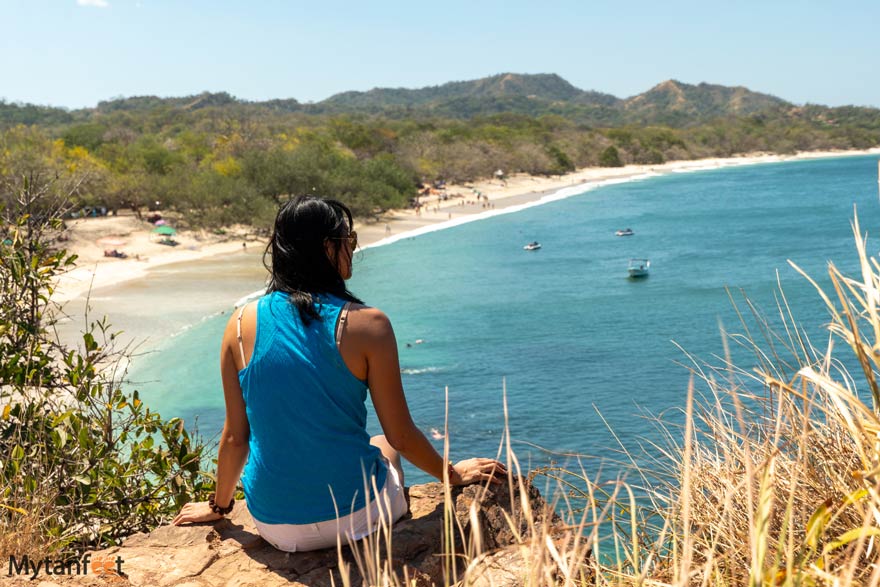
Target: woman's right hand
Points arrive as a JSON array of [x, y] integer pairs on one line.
[[195, 512], [477, 470]]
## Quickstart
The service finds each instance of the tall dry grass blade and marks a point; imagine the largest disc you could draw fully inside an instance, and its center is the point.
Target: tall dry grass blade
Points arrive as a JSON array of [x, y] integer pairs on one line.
[[854, 337], [683, 570], [761, 529], [450, 573]]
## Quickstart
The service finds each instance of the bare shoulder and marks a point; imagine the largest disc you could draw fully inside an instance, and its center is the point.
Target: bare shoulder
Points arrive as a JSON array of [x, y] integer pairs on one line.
[[232, 323], [230, 334], [368, 322]]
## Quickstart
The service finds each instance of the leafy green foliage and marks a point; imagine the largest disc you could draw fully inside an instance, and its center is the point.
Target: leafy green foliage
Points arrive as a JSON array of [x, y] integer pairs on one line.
[[15, 114], [89, 136], [319, 167], [157, 159], [84, 462], [610, 158], [562, 163]]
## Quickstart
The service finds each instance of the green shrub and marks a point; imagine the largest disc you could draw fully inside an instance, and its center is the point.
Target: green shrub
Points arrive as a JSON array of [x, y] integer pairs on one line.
[[84, 463], [562, 163], [610, 158]]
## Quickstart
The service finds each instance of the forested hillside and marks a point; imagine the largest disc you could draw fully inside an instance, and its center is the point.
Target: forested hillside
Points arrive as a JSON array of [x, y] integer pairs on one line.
[[218, 159]]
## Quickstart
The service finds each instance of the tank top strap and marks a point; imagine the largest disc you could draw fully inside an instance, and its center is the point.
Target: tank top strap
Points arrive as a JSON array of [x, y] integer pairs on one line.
[[340, 325], [238, 334]]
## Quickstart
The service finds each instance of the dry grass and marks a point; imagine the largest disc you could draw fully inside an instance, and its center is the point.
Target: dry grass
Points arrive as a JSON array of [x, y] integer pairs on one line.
[[25, 532]]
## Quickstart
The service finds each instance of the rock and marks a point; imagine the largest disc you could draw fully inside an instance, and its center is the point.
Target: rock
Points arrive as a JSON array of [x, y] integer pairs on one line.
[[230, 552], [528, 563], [503, 568]]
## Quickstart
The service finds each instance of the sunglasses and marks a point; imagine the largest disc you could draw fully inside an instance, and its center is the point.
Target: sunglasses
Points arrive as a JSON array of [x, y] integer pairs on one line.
[[352, 239]]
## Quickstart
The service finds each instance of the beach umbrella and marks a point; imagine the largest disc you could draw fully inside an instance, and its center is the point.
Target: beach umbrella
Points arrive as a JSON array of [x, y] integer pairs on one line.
[[165, 229]]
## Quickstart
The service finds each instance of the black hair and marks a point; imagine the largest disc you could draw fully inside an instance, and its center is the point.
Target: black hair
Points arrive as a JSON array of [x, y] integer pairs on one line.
[[299, 263]]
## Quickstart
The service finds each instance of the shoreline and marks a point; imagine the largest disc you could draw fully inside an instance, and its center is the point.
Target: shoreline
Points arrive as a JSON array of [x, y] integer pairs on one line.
[[524, 191], [464, 203]]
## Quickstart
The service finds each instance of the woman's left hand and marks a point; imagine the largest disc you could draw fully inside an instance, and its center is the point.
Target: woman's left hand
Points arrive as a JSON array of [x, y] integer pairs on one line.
[[478, 470], [196, 511]]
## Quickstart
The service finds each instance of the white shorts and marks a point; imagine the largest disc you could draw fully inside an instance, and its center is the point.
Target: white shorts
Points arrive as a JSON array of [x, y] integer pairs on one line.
[[353, 527]]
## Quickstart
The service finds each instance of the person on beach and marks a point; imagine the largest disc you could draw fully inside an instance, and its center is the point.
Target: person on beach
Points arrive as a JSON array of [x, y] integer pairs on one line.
[[296, 366]]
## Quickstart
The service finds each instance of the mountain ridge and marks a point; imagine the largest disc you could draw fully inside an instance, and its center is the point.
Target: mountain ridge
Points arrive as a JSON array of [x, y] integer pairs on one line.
[[670, 102]]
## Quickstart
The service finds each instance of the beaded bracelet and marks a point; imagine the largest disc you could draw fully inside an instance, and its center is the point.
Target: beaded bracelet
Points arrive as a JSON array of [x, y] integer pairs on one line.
[[217, 509]]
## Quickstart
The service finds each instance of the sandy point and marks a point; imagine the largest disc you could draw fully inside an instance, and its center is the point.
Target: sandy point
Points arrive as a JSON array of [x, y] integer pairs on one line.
[[94, 240]]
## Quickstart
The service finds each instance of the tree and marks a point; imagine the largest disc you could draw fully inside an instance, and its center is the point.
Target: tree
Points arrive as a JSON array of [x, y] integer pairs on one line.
[[39, 176], [157, 159], [561, 162], [610, 157], [90, 136]]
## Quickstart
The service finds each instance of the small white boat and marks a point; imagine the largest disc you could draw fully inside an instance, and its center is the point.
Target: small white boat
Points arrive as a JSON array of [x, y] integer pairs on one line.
[[638, 267], [532, 246], [624, 232]]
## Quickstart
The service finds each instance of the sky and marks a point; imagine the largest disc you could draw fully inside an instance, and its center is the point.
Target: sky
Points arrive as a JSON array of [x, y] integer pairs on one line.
[[75, 53]]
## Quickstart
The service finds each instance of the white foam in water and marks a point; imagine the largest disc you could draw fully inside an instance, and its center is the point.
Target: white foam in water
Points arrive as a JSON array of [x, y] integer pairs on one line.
[[202, 320], [420, 371], [250, 297]]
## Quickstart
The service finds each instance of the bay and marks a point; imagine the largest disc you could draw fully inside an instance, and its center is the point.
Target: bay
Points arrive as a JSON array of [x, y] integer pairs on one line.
[[588, 356]]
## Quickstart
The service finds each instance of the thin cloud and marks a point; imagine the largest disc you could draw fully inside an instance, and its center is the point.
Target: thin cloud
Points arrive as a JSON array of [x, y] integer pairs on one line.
[[93, 3]]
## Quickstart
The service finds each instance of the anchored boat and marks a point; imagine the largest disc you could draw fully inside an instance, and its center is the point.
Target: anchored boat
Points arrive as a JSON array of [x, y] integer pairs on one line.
[[639, 267]]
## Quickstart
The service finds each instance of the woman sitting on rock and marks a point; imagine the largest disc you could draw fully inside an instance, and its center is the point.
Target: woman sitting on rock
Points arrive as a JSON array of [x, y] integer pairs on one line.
[[296, 366]]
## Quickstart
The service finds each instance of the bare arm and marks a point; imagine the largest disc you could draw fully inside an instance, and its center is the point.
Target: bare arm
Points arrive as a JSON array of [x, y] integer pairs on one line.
[[373, 331], [233, 451]]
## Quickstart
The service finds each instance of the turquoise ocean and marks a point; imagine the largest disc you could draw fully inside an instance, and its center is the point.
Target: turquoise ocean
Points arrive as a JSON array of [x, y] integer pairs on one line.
[[587, 355]]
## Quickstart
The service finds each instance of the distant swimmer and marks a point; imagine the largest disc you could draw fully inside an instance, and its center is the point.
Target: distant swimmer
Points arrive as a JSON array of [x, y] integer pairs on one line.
[[437, 435]]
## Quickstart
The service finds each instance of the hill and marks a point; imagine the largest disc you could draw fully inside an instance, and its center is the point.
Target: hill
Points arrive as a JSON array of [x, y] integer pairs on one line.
[[675, 103], [543, 87], [141, 103]]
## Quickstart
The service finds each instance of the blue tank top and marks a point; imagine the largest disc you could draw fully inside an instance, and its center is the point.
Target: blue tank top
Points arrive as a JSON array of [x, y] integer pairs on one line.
[[309, 445]]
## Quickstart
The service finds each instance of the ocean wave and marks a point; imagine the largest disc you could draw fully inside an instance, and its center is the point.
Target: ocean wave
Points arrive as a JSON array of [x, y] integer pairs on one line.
[[202, 320], [421, 370]]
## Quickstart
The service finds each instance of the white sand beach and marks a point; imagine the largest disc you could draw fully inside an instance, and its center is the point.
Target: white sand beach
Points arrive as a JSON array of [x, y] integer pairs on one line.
[[90, 237]]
